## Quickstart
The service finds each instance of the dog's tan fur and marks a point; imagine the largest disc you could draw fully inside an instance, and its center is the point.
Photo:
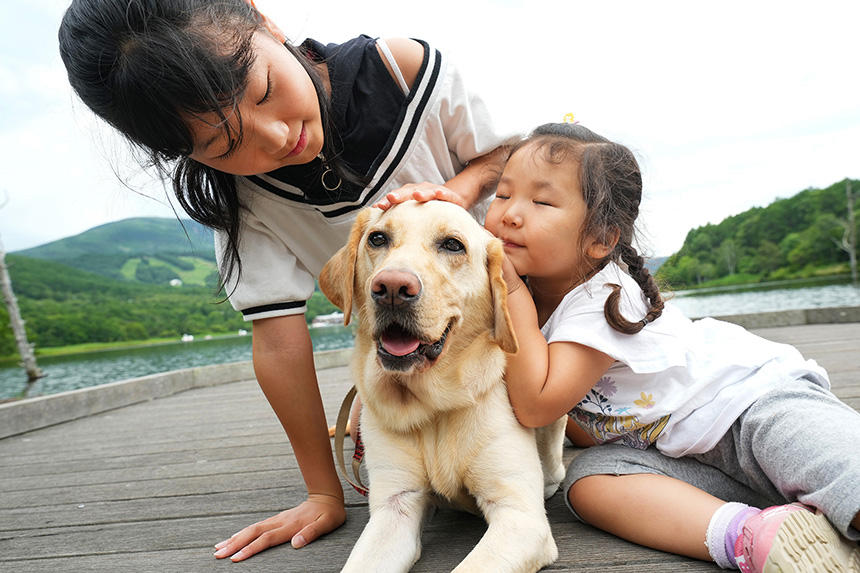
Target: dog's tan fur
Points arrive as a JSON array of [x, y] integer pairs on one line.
[[442, 428]]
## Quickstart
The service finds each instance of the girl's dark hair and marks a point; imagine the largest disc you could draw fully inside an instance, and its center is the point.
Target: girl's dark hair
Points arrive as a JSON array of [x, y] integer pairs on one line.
[[611, 185], [145, 66]]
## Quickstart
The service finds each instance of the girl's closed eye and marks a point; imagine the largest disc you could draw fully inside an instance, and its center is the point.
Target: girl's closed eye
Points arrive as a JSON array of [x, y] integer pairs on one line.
[[268, 93], [234, 145]]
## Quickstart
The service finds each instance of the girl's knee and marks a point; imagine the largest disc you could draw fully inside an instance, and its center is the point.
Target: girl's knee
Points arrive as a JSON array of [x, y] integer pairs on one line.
[[585, 494]]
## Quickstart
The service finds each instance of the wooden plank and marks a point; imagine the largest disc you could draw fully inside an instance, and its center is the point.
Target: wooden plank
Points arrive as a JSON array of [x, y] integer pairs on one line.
[[43, 465], [153, 538], [23, 520], [152, 488]]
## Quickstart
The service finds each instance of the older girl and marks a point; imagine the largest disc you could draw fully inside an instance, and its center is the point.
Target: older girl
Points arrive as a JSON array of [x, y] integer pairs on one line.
[[276, 147]]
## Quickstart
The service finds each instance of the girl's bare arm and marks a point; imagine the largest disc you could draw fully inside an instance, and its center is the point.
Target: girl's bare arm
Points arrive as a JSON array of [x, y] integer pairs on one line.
[[545, 380], [283, 363]]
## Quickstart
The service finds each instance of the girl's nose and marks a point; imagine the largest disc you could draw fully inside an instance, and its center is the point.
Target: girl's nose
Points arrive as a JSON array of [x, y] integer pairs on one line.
[[274, 137], [511, 217]]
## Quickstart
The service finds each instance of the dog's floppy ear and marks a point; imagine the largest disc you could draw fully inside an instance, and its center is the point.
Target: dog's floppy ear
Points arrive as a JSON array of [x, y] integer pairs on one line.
[[337, 279], [503, 330]]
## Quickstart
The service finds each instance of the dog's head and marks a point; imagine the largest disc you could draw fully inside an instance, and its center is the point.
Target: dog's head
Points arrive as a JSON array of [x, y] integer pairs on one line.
[[426, 281]]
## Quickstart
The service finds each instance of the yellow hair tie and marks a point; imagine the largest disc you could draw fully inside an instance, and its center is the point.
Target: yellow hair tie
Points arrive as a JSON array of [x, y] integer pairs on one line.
[[568, 118]]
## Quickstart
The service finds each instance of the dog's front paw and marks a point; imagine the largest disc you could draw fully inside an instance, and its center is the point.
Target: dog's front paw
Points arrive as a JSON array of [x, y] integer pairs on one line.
[[552, 480], [549, 489]]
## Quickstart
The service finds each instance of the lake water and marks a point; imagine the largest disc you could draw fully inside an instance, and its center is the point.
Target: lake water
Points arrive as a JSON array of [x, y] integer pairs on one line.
[[777, 296], [94, 368], [81, 370]]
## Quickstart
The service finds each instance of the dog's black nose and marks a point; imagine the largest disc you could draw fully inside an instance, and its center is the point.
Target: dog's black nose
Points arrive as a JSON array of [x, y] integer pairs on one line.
[[394, 288]]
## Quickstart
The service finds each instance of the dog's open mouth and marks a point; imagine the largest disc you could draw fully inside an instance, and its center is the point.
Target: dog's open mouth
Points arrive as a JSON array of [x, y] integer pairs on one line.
[[399, 349]]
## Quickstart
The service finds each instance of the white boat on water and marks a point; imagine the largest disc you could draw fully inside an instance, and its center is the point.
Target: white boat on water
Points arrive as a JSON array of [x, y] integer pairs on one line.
[[333, 319]]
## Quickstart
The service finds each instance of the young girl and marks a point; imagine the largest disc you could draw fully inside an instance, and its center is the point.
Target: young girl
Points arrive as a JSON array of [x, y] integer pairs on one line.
[[277, 147], [702, 422]]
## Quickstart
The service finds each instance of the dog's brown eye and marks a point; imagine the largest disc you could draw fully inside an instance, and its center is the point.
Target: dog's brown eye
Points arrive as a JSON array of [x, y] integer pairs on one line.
[[377, 239], [453, 245]]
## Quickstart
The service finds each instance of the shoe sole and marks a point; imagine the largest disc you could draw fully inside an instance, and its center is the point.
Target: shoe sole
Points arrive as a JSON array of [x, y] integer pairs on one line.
[[807, 542]]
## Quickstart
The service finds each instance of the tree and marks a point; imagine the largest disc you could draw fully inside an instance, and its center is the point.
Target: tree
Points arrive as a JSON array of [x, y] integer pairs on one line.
[[816, 244], [688, 270], [849, 237], [729, 255], [25, 349], [768, 257]]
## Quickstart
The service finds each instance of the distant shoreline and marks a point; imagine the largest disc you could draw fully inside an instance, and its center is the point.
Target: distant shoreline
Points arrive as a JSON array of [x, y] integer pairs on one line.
[[766, 285], [89, 347]]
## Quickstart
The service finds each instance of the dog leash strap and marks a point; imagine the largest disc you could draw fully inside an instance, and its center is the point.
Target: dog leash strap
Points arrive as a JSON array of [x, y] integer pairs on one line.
[[339, 435]]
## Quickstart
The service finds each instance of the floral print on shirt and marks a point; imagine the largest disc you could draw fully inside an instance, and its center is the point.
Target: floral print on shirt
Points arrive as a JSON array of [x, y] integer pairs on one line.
[[612, 424]]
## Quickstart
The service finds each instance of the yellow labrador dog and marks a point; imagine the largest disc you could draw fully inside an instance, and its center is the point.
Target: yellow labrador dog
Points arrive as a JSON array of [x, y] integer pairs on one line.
[[425, 280]]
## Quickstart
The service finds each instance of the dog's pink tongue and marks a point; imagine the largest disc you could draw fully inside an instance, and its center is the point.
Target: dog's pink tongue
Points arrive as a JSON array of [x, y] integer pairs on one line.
[[399, 346]]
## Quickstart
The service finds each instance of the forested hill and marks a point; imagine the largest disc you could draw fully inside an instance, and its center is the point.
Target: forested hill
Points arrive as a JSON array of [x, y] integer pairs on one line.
[[62, 305], [146, 249], [132, 280], [137, 235], [796, 237]]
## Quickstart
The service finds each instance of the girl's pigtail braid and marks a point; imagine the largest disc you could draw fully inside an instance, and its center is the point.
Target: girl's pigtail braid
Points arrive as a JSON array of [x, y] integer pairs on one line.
[[636, 269]]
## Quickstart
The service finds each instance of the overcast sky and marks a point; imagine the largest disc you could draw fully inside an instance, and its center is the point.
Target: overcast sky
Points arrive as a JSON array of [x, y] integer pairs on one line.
[[728, 105]]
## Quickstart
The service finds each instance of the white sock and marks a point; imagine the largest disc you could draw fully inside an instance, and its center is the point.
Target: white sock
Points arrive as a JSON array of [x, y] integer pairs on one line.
[[716, 536]]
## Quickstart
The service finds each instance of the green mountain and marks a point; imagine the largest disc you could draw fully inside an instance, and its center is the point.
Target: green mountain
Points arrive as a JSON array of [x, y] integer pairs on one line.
[[112, 283], [63, 305], [797, 237], [146, 249], [148, 235]]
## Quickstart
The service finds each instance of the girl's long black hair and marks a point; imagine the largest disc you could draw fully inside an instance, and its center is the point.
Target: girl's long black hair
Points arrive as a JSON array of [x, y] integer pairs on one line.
[[145, 66]]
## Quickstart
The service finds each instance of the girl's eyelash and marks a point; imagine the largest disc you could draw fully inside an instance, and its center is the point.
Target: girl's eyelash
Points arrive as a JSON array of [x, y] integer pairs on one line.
[[233, 145], [268, 90]]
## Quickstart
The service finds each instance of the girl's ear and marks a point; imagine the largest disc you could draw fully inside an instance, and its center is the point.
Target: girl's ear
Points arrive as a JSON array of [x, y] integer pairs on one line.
[[599, 250]]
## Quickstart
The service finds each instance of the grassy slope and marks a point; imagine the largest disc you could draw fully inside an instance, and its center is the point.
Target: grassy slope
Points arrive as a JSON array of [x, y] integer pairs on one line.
[[202, 269]]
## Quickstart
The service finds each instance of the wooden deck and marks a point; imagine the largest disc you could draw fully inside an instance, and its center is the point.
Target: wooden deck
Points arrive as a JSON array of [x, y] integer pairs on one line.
[[153, 486]]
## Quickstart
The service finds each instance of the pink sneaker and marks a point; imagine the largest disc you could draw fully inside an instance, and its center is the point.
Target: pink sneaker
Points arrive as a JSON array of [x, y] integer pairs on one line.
[[787, 538]]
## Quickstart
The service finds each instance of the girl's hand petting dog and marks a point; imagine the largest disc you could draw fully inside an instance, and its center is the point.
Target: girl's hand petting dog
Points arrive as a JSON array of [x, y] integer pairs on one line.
[[421, 192]]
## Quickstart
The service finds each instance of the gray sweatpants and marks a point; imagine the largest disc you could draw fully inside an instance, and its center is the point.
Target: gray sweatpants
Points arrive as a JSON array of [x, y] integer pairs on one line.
[[797, 443]]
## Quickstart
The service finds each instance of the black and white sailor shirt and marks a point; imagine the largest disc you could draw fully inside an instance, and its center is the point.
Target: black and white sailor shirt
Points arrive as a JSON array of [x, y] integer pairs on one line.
[[292, 223]]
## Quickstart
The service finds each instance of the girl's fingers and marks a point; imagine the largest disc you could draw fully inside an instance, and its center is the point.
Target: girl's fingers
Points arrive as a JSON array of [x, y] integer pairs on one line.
[[323, 524], [251, 540], [230, 546], [264, 541], [423, 193], [445, 194], [318, 515]]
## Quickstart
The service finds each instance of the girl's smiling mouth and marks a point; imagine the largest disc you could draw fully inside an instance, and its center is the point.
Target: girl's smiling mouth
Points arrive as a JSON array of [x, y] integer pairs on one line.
[[301, 143], [510, 244]]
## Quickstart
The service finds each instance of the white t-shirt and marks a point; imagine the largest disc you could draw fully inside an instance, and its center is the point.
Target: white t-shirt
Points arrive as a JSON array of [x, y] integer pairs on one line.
[[678, 384]]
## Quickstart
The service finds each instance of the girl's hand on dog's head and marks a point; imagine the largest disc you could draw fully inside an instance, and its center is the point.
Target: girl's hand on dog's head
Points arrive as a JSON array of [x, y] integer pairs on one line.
[[421, 192]]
